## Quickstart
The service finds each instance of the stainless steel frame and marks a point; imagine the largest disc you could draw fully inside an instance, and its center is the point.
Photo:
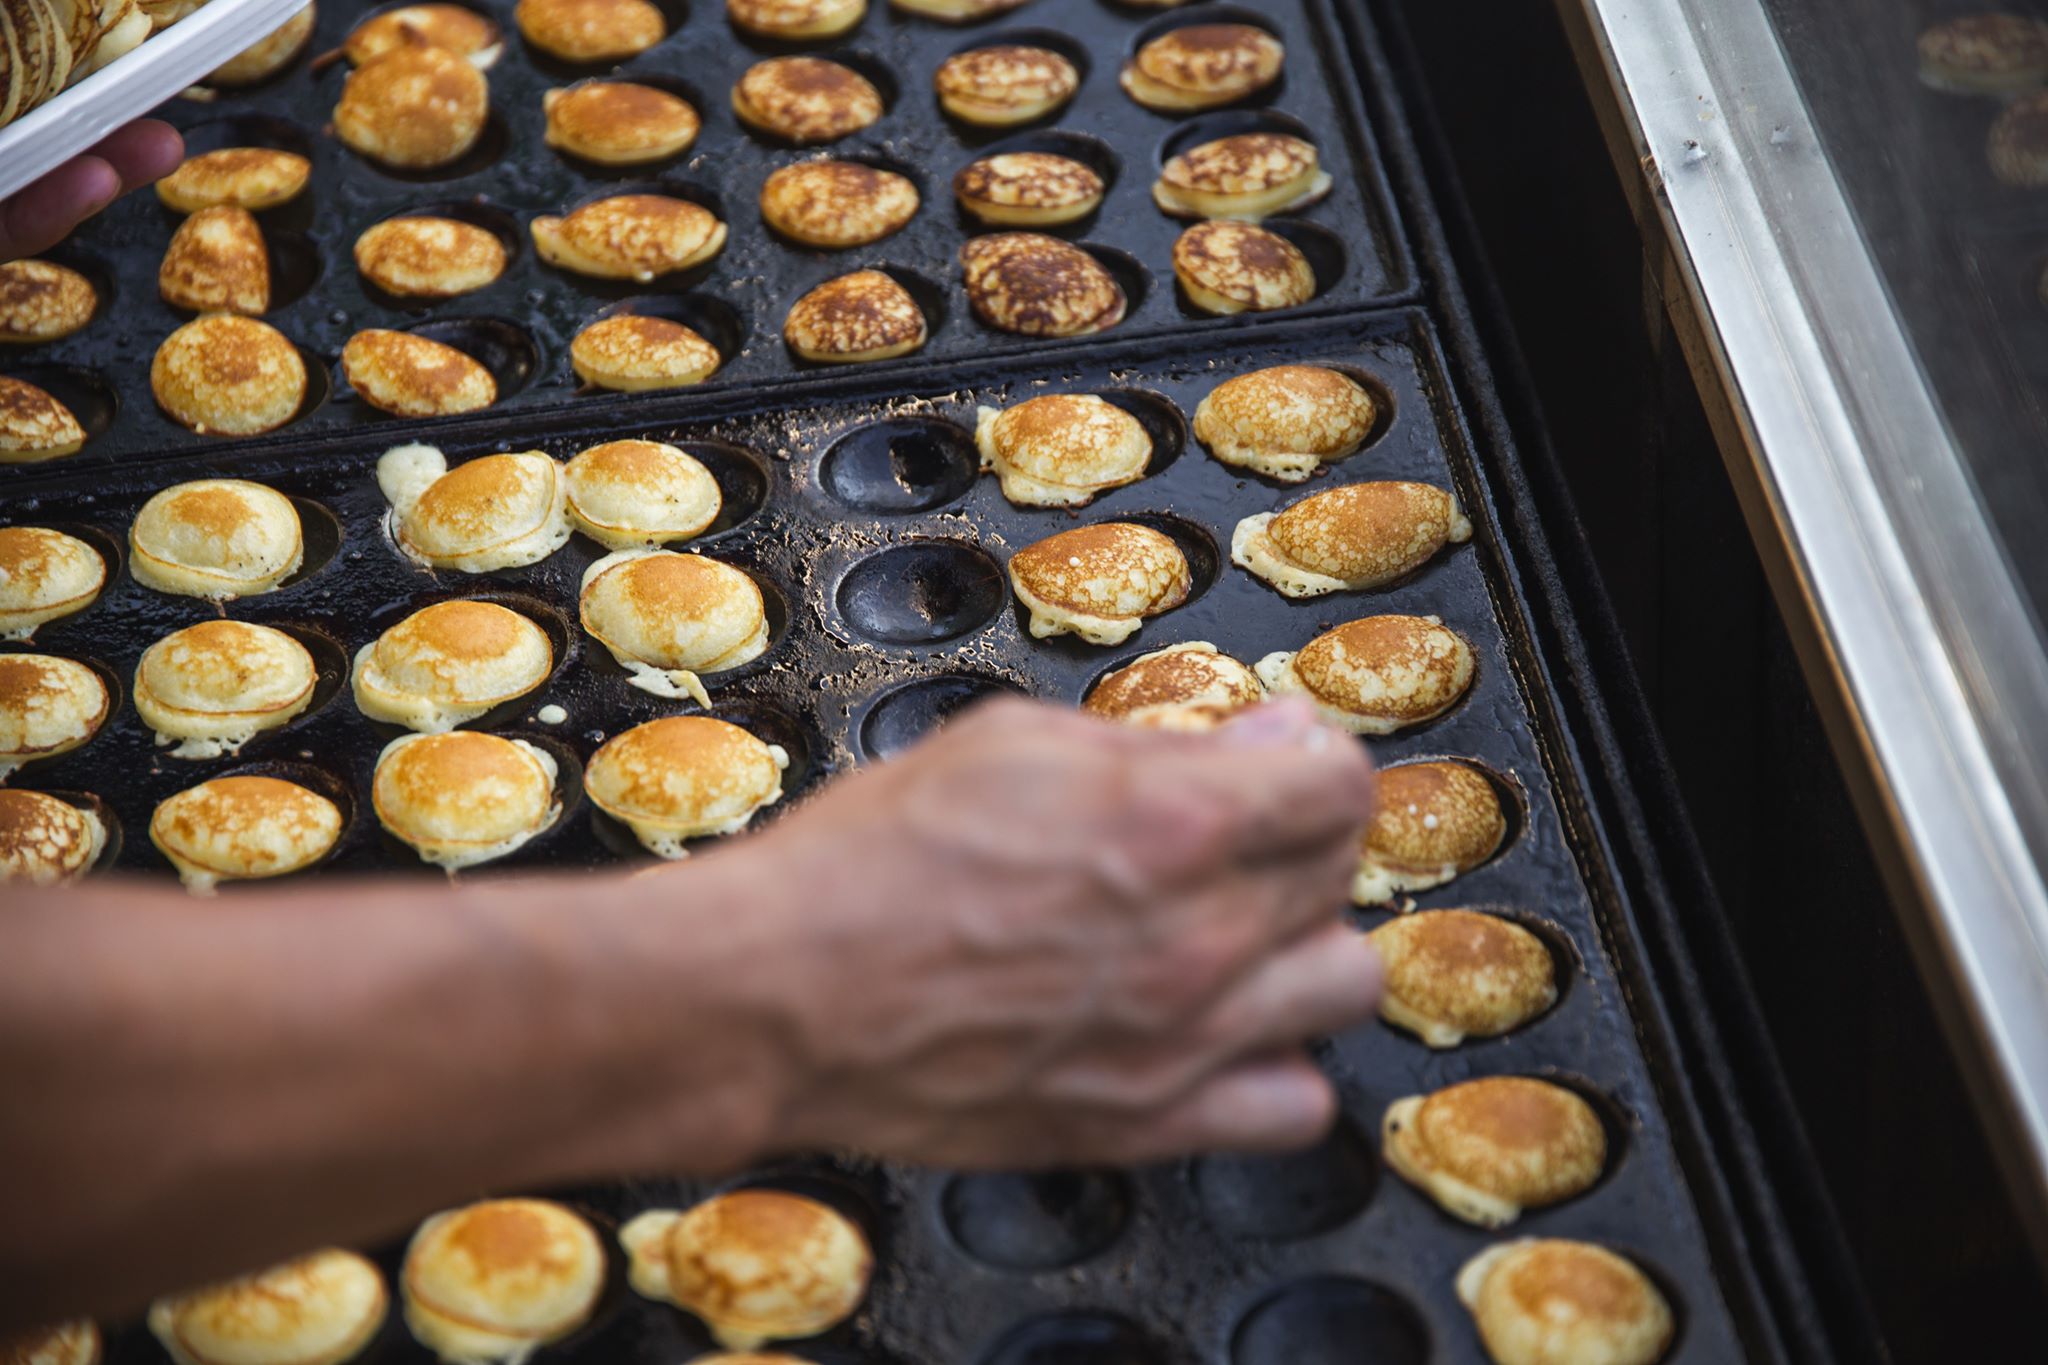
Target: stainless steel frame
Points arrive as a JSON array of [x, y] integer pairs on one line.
[[1909, 618]]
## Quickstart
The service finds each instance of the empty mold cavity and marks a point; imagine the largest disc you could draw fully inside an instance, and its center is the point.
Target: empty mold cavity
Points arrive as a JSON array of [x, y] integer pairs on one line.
[[294, 266], [1044, 1221], [320, 537], [1331, 1321], [86, 393], [922, 592], [1290, 1196], [904, 715], [1161, 419], [1077, 1339], [248, 130], [901, 465], [717, 321]]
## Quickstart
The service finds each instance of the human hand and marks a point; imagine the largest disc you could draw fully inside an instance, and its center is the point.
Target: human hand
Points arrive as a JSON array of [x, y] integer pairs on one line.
[[39, 216]]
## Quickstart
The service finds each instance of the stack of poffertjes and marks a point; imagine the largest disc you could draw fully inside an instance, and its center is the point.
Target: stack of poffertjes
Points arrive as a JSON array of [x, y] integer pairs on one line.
[[46, 45]]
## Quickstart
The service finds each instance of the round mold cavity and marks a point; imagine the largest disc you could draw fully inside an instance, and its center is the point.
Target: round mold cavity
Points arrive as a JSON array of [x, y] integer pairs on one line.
[[1213, 127], [904, 715], [926, 293], [295, 267], [316, 779], [686, 91], [320, 537], [564, 644], [901, 465], [475, 212], [1322, 248], [500, 345], [743, 484], [1031, 1222], [1292, 1196], [111, 547], [1092, 152], [1162, 420], [105, 288], [110, 823], [319, 384], [774, 605], [248, 130], [1052, 40], [1328, 1320], [1130, 274], [717, 321], [491, 145], [331, 667], [90, 397], [1081, 1338], [922, 592], [1514, 802]]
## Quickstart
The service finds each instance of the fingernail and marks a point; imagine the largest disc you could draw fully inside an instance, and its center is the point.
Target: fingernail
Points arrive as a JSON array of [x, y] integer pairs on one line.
[[1271, 724]]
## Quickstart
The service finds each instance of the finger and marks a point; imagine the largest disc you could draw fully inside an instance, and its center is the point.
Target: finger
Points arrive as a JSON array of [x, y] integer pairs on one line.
[[1296, 785], [1319, 985], [1279, 1103], [141, 152], [38, 217]]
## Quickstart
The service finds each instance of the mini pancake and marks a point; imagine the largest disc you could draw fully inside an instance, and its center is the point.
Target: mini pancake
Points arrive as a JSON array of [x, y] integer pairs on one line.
[[837, 204], [755, 1265], [684, 777], [228, 376], [2018, 143], [252, 178], [1203, 66], [1192, 687], [321, 1309], [668, 617], [463, 798], [243, 828], [1249, 177], [44, 575], [1435, 822], [958, 11], [67, 1343], [43, 301], [216, 538], [795, 20], [1286, 421], [46, 842], [34, 425], [619, 123], [590, 30], [1227, 268], [267, 56], [429, 258], [494, 512], [500, 1279], [1536, 1301], [1034, 285], [1458, 974], [1062, 449], [209, 689], [416, 107], [627, 494], [415, 376], [805, 99], [449, 663], [1002, 86], [1360, 536], [48, 706], [854, 319], [1099, 582], [630, 237], [1028, 189], [1377, 675], [122, 36], [457, 28], [1985, 54], [1485, 1150], [217, 263], [633, 352]]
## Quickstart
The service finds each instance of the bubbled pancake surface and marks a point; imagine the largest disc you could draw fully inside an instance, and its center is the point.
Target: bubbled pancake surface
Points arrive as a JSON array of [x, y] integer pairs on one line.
[[1378, 674], [463, 795], [44, 841], [48, 705], [43, 301], [1358, 536], [217, 263], [320, 1309], [636, 492], [620, 122], [1005, 83], [1435, 821], [429, 257], [1035, 285], [416, 107], [246, 177], [449, 663], [516, 1273], [806, 99], [1203, 66], [674, 611], [228, 376], [216, 538], [1984, 53], [684, 776], [1190, 686], [1285, 420], [34, 424], [268, 55], [494, 511], [1248, 175], [1014, 186], [633, 351], [1228, 266], [245, 827], [1538, 1301], [630, 237], [793, 19], [837, 204], [759, 1265], [44, 574], [415, 376], [1490, 1148], [1099, 581], [1060, 450], [590, 30], [863, 316], [64, 1343], [457, 28], [1454, 974], [220, 670]]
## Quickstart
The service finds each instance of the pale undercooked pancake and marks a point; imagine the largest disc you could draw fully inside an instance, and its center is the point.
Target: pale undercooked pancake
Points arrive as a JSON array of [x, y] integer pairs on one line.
[[795, 20], [855, 319], [1248, 176], [428, 257], [1360, 536], [1190, 687], [43, 301], [1229, 267], [449, 663], [1005, 85], [1028, 189], [210, 688], [630, 237], [1034, 285], [1379, 674], [494, 512], [1541, 1301], [684, 777], [1435, 821], [2017, 146], [958, 11], [625, 494], [66, 1343], [34, 424], [1203, 66], [45, 841], [1458, 974], [217, 263], [1062, 449], [48, 706], [228, 376], [243, 828], [252, 178], [837, 204], [1985, 54], [1099, 582], [458, 28], [1485, 1150], [267, 56], [416, 107], [755, 1265], [619, 123], [464, 797], [590, 30], [415, 376], [1286, 421], [498, 1280], [805, 99], [668, 617], [633, 352], [216, 538], [44, 575], [321, 1309]]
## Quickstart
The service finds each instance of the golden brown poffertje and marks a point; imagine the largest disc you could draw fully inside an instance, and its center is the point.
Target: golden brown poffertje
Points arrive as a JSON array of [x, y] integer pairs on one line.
[[45, 841], [1485, 1150], [417, 107], [456, 28], [1227, 267], [669, 618], [242, 829], [34, 424], [1249, 176], [796, 20], [1436, 821], [51, 44], [217, 262], [620, 123], [268, 55], [211, 688], [958, 11], [1537, 1301], [215, 538], [684, 777], [855, 319], [498, 1280], [1359, 536], [1377, 675], [429, 257], [1028, 189], [228, 376], [1005, 85], [630, 237], [1286, 421], [806, 99], [634, 353], [834, 204], [48, 706], [64, 1343], [633, 493], [500, 511], [415, 376], [458, 800], [1062, 449], [1191, 687], [43, 301], [1458, 974], [253, 178], [1985, 54], [1203, 66], [590, 30], [1040, 286], [450, 663], [45, 575], [1099, 582]]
